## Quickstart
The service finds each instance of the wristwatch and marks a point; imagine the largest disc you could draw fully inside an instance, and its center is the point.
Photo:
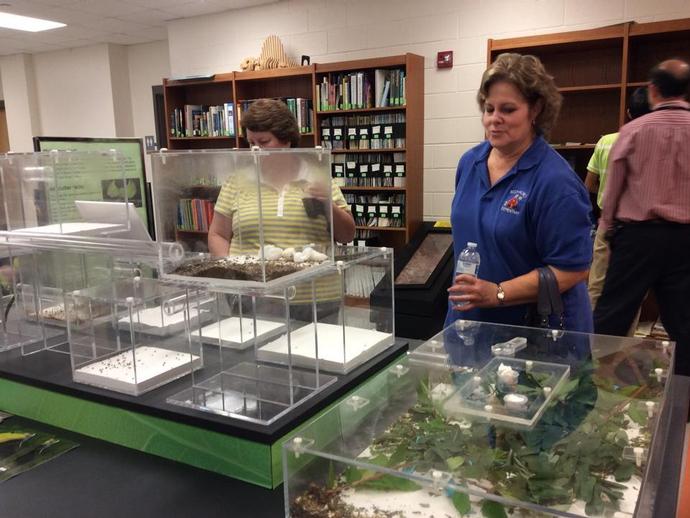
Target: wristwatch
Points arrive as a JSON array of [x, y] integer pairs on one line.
[[500, 294]]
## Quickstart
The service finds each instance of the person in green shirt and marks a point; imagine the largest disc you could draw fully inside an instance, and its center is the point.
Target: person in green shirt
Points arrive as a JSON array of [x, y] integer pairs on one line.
[[596, 183]]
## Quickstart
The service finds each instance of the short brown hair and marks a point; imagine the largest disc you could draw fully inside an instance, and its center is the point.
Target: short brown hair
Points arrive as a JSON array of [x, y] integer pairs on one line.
[[274, 116], [529, 76]]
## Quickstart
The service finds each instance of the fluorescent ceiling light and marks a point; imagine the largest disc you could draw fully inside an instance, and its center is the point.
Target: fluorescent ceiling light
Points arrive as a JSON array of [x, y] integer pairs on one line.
[[26, 23]]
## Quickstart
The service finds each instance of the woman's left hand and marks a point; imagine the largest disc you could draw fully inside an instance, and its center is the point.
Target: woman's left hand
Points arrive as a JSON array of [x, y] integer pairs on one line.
[[318, 191], [477, 293]]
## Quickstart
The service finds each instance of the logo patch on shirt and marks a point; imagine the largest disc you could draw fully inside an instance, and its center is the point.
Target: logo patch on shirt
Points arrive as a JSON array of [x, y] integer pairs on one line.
[[515, 202]]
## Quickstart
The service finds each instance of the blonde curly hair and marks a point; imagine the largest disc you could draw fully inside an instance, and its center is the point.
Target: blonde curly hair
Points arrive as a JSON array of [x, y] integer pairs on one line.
[[529, 76]]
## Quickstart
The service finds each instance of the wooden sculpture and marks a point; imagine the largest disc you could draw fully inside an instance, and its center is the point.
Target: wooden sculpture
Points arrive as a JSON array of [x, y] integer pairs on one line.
[[272, 56]]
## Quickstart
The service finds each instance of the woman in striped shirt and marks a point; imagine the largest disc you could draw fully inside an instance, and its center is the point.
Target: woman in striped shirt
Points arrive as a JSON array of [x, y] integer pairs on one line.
[[289, 215]]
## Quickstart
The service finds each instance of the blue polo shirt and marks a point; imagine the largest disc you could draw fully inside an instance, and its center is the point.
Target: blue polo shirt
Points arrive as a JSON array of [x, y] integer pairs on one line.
[[538, 214]]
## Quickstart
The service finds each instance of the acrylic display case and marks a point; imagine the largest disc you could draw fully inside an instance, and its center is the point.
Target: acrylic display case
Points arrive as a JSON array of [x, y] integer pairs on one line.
[[277, 206], [45, 197], [419, 439], [132, 335], [267, 352], [51, 193]]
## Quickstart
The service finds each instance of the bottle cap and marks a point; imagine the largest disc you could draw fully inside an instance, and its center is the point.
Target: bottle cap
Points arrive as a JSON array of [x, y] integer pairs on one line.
[[470, 244]]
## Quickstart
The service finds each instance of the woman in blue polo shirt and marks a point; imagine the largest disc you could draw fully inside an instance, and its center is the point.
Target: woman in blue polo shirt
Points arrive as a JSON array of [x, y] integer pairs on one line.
[[521, 203]]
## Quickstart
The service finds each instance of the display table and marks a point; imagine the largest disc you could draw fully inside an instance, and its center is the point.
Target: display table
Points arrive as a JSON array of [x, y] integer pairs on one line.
[[40, 387], [122, 482]]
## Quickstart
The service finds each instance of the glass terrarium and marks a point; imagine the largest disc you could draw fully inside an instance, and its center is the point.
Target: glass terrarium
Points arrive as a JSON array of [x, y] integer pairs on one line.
[[265, 353], [131, 335], [276, 215], [419, 439], [67, 193], [19, 305], [356, 329]]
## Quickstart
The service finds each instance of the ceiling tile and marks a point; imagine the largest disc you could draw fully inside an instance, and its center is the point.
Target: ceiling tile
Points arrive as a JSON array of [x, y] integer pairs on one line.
[[158, 4], [126, 39], [115, 25], [146, 16], [151, 34], [103, 7], [197, 8]]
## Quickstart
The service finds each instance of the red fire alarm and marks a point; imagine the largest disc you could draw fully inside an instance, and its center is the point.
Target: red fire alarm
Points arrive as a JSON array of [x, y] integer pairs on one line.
[[444, 59]]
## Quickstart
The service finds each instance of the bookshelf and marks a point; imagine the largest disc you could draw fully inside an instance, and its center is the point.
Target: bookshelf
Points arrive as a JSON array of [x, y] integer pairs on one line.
[[240, 88], [596, 70], [410, 107]]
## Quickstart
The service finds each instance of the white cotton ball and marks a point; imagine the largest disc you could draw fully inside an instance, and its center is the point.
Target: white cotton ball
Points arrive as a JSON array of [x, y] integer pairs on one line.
[[299, 257], [308, 252], [288, 253], [271, 253], [318, 256]]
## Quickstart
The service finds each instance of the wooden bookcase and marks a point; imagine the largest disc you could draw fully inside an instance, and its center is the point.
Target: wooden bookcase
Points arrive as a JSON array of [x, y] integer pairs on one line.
[[302, 82], [596, 70]]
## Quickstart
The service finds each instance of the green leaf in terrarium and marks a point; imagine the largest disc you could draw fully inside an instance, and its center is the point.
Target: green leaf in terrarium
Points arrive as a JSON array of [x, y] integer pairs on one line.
[[620, 438], [491, 509], [113, 191], [568, 388], [388, 483], [613, 487], [584, 484], [624, 472], [378, 460], [455, 462], [549, 491], [399, 456], [461, 502], [595, 506], [352, 474], [637, 414], [628, 390]]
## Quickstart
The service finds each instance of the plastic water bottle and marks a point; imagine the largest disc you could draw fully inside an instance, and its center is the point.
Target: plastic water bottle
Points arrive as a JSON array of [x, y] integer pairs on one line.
[[468, 263]]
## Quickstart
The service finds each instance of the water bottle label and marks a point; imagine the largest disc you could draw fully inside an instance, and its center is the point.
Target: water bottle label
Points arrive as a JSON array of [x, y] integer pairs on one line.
[[467, 268]]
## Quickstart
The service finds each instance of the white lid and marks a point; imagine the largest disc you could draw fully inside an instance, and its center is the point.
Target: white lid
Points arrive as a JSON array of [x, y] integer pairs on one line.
[[470, 244]]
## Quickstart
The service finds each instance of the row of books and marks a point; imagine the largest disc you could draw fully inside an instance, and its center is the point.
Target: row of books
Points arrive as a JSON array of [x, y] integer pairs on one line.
[[300, 107], [377, 210], [371, 170], [194, 214], [361, 90], [380, 131], [196, 120]]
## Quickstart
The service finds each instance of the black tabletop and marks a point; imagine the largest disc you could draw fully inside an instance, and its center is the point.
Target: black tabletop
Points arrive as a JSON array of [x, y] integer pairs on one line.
[[102, 480]]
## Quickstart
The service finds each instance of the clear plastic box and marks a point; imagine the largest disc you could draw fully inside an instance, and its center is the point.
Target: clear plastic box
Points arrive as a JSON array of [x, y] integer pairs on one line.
[[392, 448], [131, 336], [276, 203], [268, 352], [42, 192]]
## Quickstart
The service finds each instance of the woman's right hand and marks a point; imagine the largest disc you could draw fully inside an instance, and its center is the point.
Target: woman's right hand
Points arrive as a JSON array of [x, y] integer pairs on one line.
[[472, 292]]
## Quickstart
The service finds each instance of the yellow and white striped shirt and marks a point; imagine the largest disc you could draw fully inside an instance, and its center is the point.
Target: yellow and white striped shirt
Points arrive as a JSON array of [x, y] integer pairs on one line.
[[282, 218]]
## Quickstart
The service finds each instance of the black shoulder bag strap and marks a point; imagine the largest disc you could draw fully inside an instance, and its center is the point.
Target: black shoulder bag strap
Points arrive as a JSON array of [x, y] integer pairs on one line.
[[549, 301]]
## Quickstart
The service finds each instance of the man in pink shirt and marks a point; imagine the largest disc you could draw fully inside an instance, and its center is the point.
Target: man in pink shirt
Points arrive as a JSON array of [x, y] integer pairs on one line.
[[646, 214]]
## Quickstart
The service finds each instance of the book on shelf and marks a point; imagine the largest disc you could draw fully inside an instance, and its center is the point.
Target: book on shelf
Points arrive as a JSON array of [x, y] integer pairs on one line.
[[369, 170], [376, 131], [196, 120], [194, 214], [300, 107], [377, 210], [345, 91]]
